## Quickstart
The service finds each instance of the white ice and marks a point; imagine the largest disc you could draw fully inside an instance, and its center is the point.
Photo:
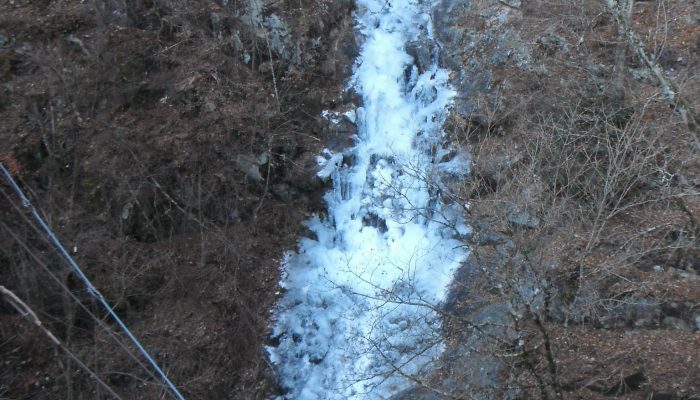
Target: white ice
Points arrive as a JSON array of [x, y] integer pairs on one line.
[[358, 314]]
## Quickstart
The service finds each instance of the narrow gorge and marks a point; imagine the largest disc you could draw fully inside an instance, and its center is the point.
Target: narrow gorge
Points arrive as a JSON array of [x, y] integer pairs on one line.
[[358, 317]]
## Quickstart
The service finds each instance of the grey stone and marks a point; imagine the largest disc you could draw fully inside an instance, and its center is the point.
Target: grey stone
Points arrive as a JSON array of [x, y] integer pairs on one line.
[[642, 309], [3, 40], [418, 394], [279, 36], [515, 4], [215, 23], [246, 163], [523, 218], [496, 168], [473, 366], [262, 159], [126, 211], [494, 321], [76, 44], [692, 19], [640, 313], [676, 324], [447, 16], [488, 238], [641, 74]]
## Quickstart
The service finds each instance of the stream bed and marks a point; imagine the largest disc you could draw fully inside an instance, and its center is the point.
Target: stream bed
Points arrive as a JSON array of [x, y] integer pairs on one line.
[[360, 316]]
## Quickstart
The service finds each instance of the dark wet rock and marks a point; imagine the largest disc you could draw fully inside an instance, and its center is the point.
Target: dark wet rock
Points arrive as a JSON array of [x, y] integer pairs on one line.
[[341, 123], [628, 384], [663, 396], [459, 42], [215, 23], [375, 221], [472, 371], [473, 366], [503, 253], [495, 169], [7, 59], [282, 191], [302, 175], [670, 58], [421, 51], [494, 321], [460, 289]]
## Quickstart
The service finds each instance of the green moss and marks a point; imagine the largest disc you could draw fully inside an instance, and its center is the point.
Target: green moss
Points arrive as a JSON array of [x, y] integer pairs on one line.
[[6, 61], [132, 67], [91, 188]]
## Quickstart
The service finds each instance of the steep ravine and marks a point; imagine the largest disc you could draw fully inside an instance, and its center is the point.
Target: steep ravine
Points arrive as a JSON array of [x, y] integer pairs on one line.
[[358, 318]]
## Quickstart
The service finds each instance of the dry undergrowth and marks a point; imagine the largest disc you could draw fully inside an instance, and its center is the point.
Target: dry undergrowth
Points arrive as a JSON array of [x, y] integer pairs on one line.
[[585, 190]]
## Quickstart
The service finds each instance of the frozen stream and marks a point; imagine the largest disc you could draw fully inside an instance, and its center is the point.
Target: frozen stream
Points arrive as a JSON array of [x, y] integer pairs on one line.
[[357, 315]]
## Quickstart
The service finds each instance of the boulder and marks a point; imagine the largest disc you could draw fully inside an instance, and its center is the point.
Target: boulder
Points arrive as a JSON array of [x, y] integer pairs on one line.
[[523, 219], [248, 164], [489, 238], [676, 324]]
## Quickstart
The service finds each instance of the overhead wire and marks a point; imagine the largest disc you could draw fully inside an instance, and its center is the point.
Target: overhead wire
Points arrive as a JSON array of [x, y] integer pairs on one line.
[[97, 320], [88, 284], [23, 309]]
